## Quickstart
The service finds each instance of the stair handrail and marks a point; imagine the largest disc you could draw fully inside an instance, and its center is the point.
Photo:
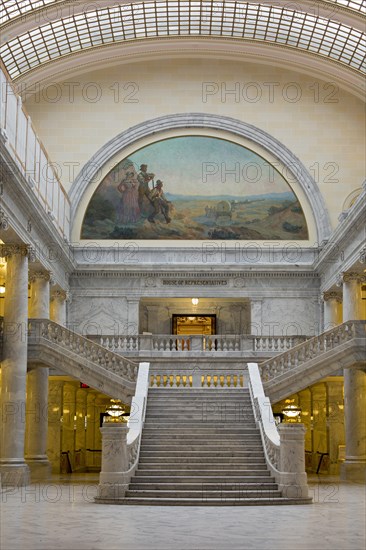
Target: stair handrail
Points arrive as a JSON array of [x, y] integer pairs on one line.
[[284, 448], [136, 421], [72, 341], [265, 419], [125, 442], [314, 347]]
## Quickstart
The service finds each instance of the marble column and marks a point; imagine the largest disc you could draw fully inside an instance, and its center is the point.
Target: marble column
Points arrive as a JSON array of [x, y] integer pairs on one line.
[[332, 310], [58, 307], [37, 387], [354, 466], [353, 308], [13, 468]]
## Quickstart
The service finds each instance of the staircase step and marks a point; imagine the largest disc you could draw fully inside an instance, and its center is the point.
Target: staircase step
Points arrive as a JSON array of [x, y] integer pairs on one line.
[[207, 437], [228, 460], [254, 455], [204, 493], [212, 471], [242, 486], [216, 466], [157, 477], [198, 430], [199, 447], [145, 501]]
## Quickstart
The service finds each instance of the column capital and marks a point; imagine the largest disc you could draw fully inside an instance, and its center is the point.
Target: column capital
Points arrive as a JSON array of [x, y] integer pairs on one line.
[[332, 295], [61, 295], [13, 249], [354, 276], [45, 275], [4, 220]]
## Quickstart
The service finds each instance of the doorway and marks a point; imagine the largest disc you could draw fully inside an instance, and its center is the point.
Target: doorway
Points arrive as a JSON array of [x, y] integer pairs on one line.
[[184, 324]]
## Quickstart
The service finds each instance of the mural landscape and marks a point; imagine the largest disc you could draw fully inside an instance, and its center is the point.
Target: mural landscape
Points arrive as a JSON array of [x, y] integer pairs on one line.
[[195, 188]]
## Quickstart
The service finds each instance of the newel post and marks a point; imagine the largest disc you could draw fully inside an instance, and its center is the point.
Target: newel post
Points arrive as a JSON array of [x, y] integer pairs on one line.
[[293, 478], [113, 480]]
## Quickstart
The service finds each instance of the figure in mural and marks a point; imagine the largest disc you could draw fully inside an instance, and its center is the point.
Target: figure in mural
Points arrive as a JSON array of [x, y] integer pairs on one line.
[[159, 202], [144, 201], [129, 211]]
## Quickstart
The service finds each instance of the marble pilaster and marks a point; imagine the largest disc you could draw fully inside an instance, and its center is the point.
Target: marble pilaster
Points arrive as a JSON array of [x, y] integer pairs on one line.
[[13, 468], [133, 315]]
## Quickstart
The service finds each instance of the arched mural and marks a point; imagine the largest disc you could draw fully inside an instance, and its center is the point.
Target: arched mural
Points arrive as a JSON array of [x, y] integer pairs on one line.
[[194, 188]]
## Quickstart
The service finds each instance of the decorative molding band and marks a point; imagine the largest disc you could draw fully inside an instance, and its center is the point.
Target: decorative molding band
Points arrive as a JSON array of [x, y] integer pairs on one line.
[[152, 128], [238, 276], [331, 295], [354, 276]]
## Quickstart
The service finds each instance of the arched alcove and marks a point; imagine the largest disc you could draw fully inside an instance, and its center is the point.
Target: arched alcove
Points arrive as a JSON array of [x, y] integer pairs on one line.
[[160, 129]]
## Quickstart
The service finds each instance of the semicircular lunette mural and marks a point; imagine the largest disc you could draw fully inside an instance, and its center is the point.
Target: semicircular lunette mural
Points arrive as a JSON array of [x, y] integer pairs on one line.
[[194, 188]]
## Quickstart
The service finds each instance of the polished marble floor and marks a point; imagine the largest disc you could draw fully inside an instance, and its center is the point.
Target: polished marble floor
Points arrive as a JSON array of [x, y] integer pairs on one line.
[[61, 515]]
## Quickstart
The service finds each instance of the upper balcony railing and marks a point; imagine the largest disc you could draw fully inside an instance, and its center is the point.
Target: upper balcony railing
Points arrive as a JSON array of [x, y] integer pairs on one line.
[[29, 154], [153, 344]]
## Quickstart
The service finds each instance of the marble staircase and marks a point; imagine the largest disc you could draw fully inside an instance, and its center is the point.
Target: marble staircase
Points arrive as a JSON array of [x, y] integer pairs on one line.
[[202, 447]]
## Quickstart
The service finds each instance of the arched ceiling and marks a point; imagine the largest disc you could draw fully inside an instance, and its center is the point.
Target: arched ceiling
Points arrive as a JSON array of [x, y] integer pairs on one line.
[[40, 33]]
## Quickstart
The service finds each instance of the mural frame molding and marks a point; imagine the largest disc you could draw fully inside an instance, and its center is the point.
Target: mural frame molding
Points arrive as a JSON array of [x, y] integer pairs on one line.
[[156, 126]]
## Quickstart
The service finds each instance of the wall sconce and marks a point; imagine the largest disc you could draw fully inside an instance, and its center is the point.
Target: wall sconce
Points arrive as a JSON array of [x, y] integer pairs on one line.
[[195, 301], [2, 289], [114, 411]]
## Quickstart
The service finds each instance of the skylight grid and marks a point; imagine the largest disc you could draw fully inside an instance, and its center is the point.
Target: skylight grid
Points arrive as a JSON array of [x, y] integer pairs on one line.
[[186, 18], [11, 9]]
